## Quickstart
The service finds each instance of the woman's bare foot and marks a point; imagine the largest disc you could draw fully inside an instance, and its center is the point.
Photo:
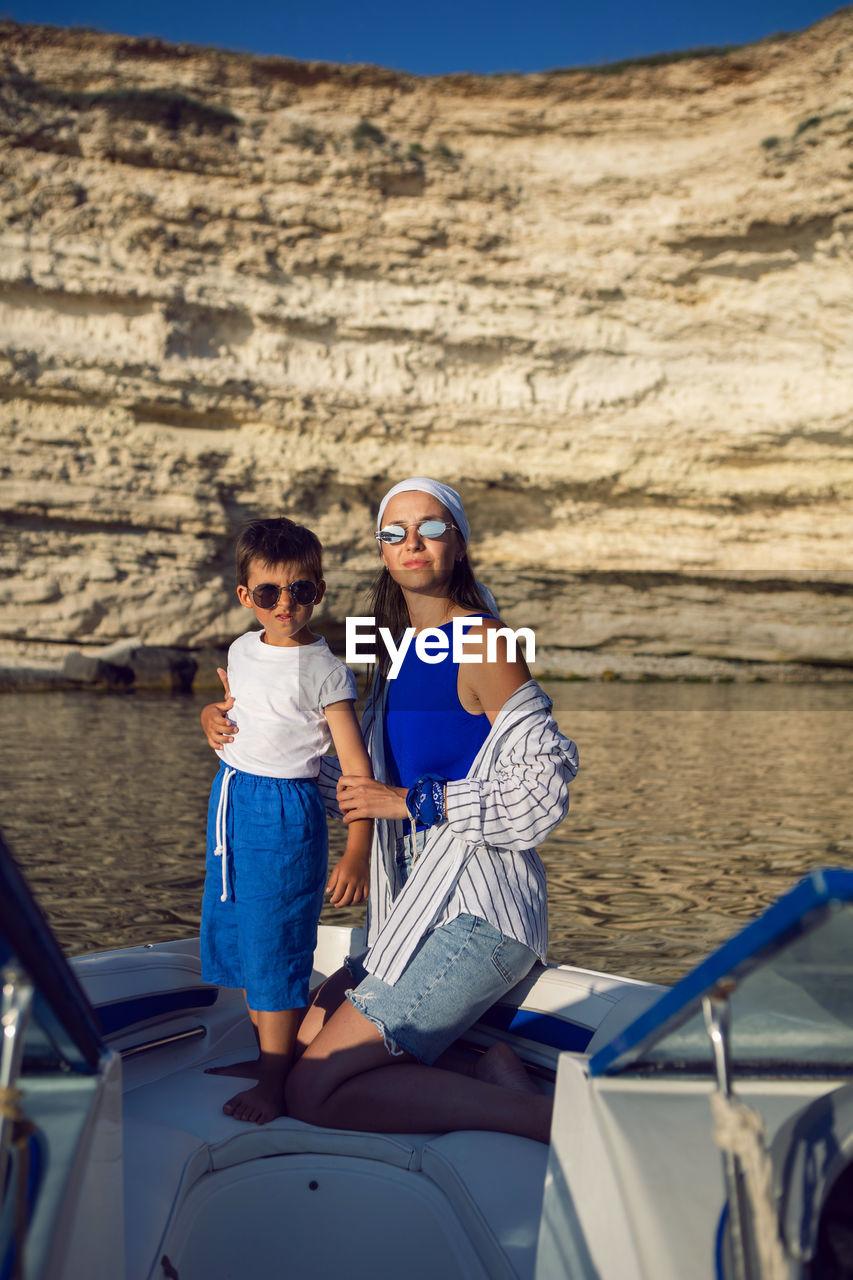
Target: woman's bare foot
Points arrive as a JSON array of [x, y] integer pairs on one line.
[[501, 1065], [259, 1105], [245, 1070]]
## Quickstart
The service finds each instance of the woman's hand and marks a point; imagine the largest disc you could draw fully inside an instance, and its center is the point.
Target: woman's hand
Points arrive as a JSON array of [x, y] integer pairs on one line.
[[218, 729], [366, 798]]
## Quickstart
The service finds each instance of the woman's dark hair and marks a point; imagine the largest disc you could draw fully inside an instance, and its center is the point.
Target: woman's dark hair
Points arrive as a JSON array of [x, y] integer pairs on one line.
[[278, 541], [387, 605]]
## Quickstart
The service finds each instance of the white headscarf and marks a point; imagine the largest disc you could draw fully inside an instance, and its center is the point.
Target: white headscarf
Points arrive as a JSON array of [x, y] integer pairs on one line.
[[448, 497]]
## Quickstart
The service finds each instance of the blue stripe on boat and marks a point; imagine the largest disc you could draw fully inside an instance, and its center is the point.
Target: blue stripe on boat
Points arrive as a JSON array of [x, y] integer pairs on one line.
[[541, 1027], [126, 1013]]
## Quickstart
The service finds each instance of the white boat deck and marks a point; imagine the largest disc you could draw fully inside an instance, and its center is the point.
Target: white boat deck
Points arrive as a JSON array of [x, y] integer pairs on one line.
[[463, 1204]]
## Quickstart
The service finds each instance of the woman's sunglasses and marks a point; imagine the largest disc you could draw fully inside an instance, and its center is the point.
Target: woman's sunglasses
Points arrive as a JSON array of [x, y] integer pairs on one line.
[[268, 594], [426, 528]]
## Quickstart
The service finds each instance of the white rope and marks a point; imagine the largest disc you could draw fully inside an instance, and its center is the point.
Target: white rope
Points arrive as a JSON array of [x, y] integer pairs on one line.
[[221, 812], [739, 1130]]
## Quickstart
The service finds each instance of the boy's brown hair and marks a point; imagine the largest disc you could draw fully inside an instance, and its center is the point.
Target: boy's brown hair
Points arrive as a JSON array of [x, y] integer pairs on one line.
[[278, 541]]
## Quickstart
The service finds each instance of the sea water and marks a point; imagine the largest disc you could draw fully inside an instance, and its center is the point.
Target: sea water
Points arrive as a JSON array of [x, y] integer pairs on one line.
[[695, 806]]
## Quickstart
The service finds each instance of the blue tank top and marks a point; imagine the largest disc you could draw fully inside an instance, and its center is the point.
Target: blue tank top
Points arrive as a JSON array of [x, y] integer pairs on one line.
[[427, 730]]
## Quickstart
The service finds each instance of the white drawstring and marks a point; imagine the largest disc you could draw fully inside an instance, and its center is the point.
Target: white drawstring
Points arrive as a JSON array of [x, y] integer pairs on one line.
[[221, 812]]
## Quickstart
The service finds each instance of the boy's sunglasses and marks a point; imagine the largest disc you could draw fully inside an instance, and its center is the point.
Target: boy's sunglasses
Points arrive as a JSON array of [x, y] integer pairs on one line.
[[268, 594], [426, 528]]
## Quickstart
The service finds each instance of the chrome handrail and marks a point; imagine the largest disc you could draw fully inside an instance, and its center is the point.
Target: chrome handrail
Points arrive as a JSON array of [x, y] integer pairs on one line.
[[715, 1008]]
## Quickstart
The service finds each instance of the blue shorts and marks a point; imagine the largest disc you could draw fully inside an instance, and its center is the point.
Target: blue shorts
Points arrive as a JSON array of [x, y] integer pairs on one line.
[[263, 935], [458, 971]]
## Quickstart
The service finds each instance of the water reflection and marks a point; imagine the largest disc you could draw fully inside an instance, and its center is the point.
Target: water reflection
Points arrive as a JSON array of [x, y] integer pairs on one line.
[[695, 806]]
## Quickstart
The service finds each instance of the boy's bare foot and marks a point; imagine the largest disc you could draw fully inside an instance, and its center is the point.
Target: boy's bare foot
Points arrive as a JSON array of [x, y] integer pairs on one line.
[[501, 1065], [245, 1070], [259, 1105]]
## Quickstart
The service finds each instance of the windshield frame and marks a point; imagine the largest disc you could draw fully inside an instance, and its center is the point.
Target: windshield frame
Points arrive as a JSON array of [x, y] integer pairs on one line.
[[64, 1027], [799, 913]]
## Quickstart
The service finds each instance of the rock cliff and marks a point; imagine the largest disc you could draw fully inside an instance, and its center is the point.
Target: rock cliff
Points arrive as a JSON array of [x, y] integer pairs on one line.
[[613, 306]]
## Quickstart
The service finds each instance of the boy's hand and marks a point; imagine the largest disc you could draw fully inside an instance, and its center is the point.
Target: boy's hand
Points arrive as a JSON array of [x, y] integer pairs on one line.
[[218, 729], [348, 882]]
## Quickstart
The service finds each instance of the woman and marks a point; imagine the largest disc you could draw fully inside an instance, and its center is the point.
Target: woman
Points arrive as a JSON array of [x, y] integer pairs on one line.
[[470, 773]]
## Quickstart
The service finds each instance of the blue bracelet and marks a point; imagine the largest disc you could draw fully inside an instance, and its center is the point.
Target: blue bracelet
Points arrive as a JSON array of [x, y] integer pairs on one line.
[[425, 800]]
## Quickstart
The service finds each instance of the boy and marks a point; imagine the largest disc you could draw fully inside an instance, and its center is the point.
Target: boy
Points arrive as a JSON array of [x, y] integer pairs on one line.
[[267, 843]]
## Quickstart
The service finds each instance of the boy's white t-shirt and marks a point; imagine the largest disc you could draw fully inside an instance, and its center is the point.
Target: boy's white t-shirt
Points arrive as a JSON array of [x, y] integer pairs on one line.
[[280, 694]]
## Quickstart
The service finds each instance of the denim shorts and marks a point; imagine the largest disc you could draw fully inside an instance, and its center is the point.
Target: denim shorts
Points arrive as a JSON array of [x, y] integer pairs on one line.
[[458, 971], [261, 904]]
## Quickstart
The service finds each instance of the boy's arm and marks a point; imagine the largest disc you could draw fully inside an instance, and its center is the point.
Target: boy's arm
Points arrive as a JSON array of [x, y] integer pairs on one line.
[[349, 879]]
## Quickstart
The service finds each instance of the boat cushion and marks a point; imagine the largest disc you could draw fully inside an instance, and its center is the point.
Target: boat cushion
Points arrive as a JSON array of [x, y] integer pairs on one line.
[[501, 1214], [161, 1164], [134, 972], [175, 1132], [291, 1137], [192, 1101]]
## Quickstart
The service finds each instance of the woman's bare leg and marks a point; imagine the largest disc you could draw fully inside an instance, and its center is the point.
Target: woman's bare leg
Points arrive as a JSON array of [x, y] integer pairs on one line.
[[497, 1064], [347, 1079], [328, 997]]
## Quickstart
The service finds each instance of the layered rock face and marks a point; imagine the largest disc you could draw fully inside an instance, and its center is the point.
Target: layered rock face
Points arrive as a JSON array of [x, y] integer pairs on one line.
[[613, 307]]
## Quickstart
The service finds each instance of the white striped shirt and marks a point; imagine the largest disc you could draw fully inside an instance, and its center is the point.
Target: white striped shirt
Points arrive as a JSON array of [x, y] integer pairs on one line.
[[482, 860]]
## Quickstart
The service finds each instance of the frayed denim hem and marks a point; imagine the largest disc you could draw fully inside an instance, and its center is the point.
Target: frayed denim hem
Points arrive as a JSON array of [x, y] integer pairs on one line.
[[358, 1002]]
